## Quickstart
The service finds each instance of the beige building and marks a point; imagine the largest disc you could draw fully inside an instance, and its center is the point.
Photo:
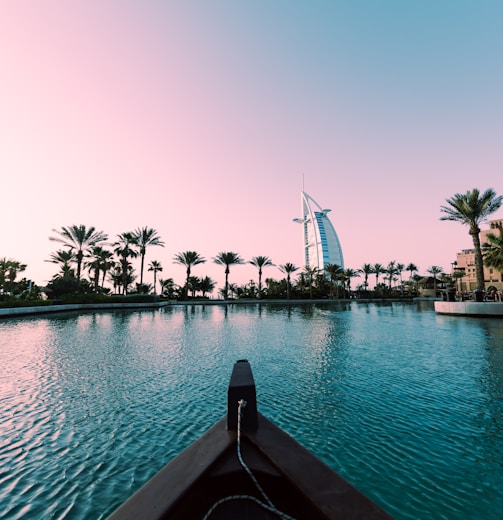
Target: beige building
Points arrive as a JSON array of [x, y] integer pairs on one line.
[[464, 267]]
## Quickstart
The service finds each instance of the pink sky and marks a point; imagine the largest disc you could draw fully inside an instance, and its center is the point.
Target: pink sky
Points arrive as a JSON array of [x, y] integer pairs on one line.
[[200, 119]]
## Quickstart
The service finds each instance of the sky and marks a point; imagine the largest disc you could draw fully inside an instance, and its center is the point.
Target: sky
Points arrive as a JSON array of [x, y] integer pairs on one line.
[[205, 120]]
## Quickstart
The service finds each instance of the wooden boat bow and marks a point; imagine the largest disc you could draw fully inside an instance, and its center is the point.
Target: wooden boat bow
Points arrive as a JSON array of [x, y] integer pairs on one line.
[[298, 484]]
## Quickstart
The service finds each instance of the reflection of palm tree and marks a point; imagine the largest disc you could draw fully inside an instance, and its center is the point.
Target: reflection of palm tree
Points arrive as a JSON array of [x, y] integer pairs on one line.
[[156, 267], [79, 239], [470, 209], [227, 258], [260, 262], [288, 269], [144, 237], [188, 259]]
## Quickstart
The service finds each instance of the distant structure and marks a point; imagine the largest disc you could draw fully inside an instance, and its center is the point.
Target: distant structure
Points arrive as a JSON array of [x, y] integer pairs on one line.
[[463, 269], [321, 244]]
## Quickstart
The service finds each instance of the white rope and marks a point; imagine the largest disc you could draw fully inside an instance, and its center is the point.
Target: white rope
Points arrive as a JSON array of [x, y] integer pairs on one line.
[[269, 506]]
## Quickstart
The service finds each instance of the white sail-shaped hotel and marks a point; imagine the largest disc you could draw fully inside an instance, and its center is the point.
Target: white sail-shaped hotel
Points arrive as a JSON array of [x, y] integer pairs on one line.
[[321, 244]]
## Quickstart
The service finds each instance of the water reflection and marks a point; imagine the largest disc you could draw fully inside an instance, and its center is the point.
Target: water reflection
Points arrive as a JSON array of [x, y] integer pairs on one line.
[[405, 404]]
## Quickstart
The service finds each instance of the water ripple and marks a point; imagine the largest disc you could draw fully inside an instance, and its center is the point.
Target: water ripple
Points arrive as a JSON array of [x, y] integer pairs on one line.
[[406, 406]]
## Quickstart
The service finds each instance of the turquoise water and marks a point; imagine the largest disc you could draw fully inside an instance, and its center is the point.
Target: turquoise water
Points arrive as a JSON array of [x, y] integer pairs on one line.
[[405, 404]]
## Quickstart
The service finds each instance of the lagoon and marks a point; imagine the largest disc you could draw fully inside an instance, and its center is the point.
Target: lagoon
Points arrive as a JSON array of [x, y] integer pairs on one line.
[[407, 405]]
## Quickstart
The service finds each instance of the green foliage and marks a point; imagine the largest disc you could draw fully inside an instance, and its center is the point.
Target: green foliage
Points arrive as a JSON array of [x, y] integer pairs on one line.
[[12, 302]]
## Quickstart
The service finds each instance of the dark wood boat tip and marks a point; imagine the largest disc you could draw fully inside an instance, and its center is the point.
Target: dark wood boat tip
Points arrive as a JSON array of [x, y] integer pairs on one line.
[[297, 483]]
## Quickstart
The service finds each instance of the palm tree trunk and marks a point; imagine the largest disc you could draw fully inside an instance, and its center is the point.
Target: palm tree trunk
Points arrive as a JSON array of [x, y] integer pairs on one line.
[[141, 268], [479, 262]]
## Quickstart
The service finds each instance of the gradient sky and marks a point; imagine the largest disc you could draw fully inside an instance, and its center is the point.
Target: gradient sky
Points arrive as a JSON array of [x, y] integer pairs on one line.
[[202, 118]]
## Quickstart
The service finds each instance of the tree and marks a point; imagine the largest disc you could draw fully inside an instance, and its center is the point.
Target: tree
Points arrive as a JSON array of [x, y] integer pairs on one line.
[[435, 270], [9, 270], [348, 274], [335, 272], [399, 269], [79, 239], [124, 250], [206, 285], [143, 238], [470, 209], [310, 274], [227, 259], [366, 269], [260, 262], [412, 268], [391, 270], [99, 261], [493, 250], [156, 267], [288, 269], [188, 259], [168, 287], [378, 269], [63, 257]]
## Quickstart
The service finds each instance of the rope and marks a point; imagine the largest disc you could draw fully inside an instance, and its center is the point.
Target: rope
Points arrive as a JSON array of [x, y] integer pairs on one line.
[[268, 505]]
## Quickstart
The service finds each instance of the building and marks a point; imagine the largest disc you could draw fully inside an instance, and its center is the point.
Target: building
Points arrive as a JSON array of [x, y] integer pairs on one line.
[[321, 244], [463, 269]]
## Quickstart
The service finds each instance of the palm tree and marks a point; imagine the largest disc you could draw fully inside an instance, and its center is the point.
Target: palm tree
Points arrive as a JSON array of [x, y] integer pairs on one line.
[[188, 259], [412, 268], [143, 238], [310, 274], [470, 209], [106, 265], [334, 272], [435, 270], [63, 257], [99, 261], [156, 267], [9, 270], [233, 289], [207, 285], [193, 285], [288, 269], [79, 239], [366, 270], [124, 250], [399, 270], [493, 250], [227, 258], [348, 274], [377, 270], [392, 271], [260, 262], [168, 287]]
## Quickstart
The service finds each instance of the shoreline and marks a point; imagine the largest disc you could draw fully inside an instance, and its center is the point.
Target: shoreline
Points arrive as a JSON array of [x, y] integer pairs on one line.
[[14, 312]]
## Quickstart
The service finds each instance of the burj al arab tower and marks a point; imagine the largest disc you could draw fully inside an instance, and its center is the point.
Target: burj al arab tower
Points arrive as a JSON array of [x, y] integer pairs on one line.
[[321, 244]]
